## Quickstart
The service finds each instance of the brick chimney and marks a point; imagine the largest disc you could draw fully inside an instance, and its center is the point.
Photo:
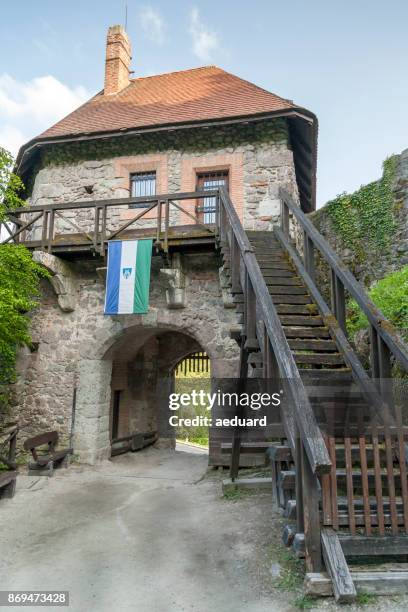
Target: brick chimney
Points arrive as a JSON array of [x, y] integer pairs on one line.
[[117, 63]]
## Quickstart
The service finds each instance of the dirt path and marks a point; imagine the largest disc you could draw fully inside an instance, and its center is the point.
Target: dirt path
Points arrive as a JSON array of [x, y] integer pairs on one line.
[[146, 533]]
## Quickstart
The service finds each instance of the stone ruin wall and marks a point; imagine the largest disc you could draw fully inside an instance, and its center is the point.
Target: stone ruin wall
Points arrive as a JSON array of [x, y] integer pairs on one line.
[[376, 263], [258, 156], [66, 343]]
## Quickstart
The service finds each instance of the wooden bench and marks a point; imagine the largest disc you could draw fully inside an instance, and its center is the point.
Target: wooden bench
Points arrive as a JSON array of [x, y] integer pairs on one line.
[[8, 440], [44, 462]]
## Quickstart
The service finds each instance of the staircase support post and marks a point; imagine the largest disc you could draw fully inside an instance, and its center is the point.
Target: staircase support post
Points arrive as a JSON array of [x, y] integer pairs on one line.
[[311, 516]]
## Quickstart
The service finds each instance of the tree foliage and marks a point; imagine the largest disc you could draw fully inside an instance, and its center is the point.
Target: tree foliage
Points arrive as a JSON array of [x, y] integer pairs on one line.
[[390, 294], [19, 284]]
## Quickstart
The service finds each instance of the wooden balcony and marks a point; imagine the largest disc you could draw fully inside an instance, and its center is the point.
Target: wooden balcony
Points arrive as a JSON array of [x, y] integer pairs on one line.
[[180, 221]]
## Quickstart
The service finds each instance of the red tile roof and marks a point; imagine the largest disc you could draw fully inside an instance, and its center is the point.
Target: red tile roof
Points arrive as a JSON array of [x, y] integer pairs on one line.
[[200, 94]]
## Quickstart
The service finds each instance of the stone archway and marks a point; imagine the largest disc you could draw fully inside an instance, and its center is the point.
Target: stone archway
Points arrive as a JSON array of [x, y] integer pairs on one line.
[[93, 398]]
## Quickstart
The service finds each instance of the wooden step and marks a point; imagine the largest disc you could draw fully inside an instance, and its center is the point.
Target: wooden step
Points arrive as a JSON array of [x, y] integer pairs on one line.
[[262, 259], [283, 280], [289, 290], [304, 321], [306, 332], [270, 265], [285, 298], [319, 358], [272, 272], [306, 309], [311, 344]]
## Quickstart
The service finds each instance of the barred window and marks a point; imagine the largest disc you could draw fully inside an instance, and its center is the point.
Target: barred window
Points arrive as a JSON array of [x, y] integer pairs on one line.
[[142, 184], [206, 181]]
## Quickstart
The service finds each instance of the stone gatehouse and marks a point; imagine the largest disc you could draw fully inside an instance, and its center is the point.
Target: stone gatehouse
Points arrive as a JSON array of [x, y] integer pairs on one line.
[[174, 133]]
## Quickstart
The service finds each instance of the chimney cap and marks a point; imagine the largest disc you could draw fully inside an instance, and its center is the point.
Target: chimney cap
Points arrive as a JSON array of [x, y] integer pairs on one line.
[[117, 29]]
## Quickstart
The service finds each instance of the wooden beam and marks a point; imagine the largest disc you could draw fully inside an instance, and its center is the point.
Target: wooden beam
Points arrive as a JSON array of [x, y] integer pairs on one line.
[[336, 565], [364, 546], [384, 328], [371, 582]]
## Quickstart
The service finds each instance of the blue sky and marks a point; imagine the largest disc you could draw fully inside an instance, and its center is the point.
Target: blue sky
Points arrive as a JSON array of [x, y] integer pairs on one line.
[[346, 60]]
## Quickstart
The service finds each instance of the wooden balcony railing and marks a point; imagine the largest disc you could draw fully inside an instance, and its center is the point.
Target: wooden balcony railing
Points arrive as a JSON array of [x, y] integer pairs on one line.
[[91, 228]]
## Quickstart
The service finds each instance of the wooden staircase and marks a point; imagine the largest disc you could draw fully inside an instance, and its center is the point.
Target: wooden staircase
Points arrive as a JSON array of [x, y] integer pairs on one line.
[[340, 469]]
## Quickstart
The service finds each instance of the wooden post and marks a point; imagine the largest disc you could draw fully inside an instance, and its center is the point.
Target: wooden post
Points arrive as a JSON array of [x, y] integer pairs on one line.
[[51, 230], [159, 221], [250, 313], [338, 301], [234, 263], [285, 219], [311, 516], [103, 229], [166, 225], [44, 230], [308, 255], [222, 220], [374, 357], [236, 437], [97, 218], [300, 523]]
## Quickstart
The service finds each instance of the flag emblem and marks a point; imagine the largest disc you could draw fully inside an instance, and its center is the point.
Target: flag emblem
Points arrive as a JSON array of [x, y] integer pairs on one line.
[[128, 277]]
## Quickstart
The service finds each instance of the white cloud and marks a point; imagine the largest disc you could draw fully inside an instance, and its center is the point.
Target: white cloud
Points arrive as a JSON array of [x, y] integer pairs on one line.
[[29, 107], [152, 24], [205, 41]]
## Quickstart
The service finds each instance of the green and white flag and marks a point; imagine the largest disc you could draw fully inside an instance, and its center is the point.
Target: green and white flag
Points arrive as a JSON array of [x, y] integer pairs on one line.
[[128, 277]]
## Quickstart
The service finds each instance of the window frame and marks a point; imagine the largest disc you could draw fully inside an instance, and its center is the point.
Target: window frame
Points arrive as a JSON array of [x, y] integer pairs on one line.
[[208, 217], [132, 182]]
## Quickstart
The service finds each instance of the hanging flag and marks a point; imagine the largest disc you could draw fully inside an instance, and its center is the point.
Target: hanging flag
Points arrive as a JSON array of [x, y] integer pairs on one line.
[[128, 277]]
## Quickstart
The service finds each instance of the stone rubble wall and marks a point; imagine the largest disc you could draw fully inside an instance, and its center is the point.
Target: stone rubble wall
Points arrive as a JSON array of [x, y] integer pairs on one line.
[[376, 263], [70, 343], [259, 157]]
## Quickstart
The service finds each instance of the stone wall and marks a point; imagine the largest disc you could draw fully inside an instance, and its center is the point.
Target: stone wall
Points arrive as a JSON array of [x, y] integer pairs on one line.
[[367, 259], [258, 157], [76, 349]]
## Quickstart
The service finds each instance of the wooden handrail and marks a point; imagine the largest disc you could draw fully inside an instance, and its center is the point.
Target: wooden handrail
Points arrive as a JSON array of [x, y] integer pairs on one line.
[[100, 207], [193, 195], [360, 375], [309, 430], [376, 318]]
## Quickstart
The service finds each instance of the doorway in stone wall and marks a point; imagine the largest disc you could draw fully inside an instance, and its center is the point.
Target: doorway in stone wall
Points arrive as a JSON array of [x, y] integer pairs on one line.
[[148, 365], [192, 378]]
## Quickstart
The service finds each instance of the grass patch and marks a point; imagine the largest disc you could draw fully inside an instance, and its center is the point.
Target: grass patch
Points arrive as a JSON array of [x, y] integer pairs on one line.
[[293, 571], [305, 602], [364, 599], [235, 494]]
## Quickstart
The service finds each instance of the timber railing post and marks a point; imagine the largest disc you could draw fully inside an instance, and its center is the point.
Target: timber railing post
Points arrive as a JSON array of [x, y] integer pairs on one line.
[[103, 229], [166, 225], [250, 314], [51, 229], [44, 230], [285, 218], [311, 517], [97, 219], [308, 255], [235, 262], [159, 221], [338, 300]]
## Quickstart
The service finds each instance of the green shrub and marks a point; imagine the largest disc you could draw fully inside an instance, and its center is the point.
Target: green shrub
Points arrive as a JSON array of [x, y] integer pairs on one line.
[[390, 295]]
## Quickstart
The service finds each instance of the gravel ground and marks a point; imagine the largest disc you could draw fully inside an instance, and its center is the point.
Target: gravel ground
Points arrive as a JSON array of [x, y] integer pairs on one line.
[[151, 532]]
